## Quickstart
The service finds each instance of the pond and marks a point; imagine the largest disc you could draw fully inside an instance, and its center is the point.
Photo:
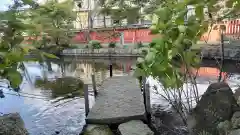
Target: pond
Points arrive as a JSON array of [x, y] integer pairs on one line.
[[51, 105]]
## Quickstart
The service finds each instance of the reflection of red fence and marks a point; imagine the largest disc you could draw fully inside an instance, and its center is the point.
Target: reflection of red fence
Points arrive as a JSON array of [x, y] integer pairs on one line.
[[208, 71]]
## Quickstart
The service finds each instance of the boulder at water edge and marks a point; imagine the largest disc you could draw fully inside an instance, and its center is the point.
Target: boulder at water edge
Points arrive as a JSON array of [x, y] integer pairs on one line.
[[12, 124], [98, 130], [235, 132], [215, 106], [167, 121], [236, 120]]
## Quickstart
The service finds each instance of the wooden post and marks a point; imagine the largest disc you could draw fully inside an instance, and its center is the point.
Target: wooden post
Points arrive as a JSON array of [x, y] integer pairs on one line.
[[94, 85], [85, 88], [143, 81], [222, 57], [110, 69], [147, 100]]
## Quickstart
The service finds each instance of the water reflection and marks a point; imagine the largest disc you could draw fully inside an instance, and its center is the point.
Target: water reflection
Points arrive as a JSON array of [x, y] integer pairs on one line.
[[44, 106]]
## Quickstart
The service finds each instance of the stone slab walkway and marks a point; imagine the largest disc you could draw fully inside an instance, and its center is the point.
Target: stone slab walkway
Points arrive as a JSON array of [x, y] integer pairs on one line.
[[119, 100]]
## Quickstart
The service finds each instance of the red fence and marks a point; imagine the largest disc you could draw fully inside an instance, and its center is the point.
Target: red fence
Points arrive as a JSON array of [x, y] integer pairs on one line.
[[143, 35], [136, 35], [129, 36], [232, 27]]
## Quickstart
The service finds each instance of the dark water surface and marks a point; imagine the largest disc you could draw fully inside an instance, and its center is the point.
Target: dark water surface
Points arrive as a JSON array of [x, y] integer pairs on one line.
[[44, 114]]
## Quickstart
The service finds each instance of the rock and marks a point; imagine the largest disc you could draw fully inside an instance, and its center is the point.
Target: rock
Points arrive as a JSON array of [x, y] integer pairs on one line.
[[98, 130], [134, 127], [12, 124], [224, 127], [215, 106], [167, 121], [237, 93], [236, 120], [235, 132]]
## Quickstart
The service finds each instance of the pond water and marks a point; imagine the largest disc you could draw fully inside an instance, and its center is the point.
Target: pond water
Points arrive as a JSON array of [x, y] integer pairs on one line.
[[44, 114]]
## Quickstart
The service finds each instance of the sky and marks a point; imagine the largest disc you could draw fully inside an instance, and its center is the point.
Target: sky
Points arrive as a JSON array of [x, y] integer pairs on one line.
[[4, 3]]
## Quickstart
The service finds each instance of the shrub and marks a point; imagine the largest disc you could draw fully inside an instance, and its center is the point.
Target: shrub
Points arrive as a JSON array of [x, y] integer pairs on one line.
[[95, 44], [112, 45]]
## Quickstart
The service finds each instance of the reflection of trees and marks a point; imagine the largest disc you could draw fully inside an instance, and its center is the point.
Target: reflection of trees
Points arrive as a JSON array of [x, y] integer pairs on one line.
[[49, 66], [68, 87]]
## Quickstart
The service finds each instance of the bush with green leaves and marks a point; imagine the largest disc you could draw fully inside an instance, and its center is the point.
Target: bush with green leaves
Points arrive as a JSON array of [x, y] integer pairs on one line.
[[169, 58], [95, 44], [178, 34], [112, 45]]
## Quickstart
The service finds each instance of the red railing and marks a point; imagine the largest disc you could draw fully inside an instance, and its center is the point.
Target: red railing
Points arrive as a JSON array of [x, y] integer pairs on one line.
[[129, 36], [135, 35]]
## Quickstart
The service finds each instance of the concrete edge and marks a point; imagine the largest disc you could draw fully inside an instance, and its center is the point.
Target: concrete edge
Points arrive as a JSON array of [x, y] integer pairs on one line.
[[116, 120]]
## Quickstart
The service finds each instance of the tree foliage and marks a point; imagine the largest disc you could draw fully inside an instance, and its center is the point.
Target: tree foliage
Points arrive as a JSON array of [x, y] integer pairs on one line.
[[54, 23], [135, 9], [24, 17], [11, 52]]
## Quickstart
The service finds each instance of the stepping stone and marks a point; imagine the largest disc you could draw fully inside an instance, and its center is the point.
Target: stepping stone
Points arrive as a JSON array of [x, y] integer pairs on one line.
[[134, 127], [118, 101], [98, 130]]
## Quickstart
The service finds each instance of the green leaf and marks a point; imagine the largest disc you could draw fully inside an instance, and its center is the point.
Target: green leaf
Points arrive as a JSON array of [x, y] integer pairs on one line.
[[159, 67], [15, 78], [200, 11], [26, 49], [159, 43], [179, 40], [174, 52], [182, 28], [49, 55], [154, 29], [138, 72], [170, 54], [14, 56], [150, 56], [3, 54], [180, 18], [27, 2], [163, 13], [140, 60], [161, 25]]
